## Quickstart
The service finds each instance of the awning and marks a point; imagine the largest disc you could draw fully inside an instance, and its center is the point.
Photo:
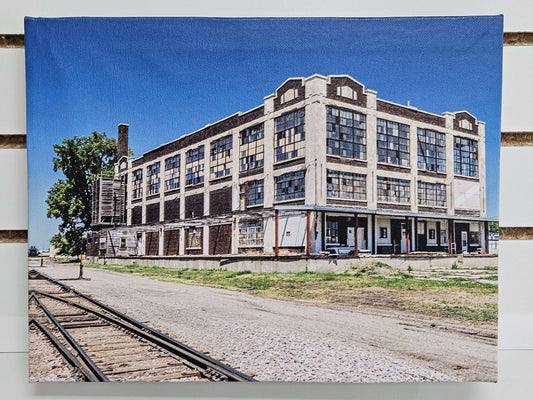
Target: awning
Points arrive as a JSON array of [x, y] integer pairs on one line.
[[353, 210]]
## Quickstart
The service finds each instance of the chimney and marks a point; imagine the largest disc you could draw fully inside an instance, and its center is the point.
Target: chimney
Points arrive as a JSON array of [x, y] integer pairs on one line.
[[122, 149]]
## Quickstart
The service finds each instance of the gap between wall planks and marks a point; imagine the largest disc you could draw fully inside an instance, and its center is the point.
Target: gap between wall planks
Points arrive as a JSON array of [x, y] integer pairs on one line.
[[508, 139]]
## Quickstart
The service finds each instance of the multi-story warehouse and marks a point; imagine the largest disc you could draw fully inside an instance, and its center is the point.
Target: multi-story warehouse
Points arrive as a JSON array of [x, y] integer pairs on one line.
[[321, 165]]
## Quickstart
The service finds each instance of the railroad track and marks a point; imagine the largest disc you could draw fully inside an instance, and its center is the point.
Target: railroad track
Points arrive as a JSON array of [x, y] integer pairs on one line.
[[98, 344]]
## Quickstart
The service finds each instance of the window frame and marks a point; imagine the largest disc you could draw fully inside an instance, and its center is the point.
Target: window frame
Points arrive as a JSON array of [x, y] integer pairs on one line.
[[221, 151], [463, 157], [400, 187], [252, 148], [290, 186], [431, 145], [172, 172], [341, 179], [289, 136], [431, 194], [393, 134], [251, 233], [339, 128], [153, 179], [137, 184], [194, 166]]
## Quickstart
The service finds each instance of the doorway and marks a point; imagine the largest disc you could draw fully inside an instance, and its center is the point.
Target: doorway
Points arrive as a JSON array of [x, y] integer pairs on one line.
[[398, 236]]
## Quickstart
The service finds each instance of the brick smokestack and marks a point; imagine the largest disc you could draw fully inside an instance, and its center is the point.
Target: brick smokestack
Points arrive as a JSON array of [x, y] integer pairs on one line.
[[122, 149]]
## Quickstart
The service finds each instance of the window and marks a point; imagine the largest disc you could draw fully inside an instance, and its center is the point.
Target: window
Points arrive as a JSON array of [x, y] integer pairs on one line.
[[332, 231], [290, 136], [393, 190], [474, 238], [252, 148], [465, 157], [393, 142], [221, 164], [346, 185], [251, 233], [432, 194], [383, 232], [122, 243], [172, 172], [474, 235], [194, 238], [255, 192], [195, 166], [346, 133], [431, 234], [137, 184], [290, 186], [153, 180], [431, 150]]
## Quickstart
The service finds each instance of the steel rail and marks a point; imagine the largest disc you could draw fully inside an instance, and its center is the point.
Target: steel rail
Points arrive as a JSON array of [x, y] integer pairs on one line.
[[175, 347], [101, 377], [67, 355]]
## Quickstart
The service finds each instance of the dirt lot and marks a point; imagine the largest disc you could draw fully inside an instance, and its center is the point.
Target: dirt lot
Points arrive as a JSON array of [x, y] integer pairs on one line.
[[368, 335]]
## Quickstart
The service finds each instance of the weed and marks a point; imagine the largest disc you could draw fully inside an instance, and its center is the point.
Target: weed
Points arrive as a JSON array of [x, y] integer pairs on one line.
[[409, 269], [454, 265]]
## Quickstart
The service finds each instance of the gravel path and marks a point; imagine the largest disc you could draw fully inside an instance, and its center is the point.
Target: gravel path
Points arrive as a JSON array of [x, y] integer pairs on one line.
[[291, 341]]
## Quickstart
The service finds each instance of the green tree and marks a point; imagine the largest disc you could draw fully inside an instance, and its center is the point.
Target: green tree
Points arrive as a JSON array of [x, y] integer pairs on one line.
[[81, 160], [494, 227]]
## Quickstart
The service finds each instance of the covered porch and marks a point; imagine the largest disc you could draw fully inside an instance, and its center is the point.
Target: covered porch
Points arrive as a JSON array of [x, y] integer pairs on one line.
[[350, 231]]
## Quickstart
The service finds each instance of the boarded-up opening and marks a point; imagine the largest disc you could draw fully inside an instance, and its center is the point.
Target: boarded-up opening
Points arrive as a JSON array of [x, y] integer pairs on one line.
[[220, 239], [194, 206], [152, 244], [171, 244], [152, 213], [137, 215], [220, 201], [172, 209]]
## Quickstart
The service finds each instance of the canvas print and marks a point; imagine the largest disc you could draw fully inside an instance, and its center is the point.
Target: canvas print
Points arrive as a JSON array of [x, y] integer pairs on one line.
[[263, 199]]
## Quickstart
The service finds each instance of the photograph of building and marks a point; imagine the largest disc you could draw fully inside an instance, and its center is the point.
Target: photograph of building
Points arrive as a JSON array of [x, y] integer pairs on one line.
[[323, 165], [263, 199]]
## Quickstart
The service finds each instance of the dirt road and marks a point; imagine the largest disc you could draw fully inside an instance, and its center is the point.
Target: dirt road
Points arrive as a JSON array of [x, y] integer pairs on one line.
[[293, 341]]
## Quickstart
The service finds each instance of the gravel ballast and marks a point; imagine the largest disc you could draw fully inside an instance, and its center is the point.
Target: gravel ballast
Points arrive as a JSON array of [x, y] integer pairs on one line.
[[291, 341]]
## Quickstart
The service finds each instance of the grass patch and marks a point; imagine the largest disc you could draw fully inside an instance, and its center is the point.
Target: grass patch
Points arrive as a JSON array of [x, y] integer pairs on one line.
[[489, 268], [360, 284]]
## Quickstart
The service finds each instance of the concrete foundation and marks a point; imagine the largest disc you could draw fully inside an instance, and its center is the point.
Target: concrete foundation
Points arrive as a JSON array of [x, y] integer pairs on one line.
[[299, 264]]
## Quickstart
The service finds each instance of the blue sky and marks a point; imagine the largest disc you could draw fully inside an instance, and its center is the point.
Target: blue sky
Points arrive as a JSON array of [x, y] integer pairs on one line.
[[167, 77]]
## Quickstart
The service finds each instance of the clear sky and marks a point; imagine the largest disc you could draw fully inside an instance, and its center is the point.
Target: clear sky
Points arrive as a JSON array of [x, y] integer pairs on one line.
[[167, 77]]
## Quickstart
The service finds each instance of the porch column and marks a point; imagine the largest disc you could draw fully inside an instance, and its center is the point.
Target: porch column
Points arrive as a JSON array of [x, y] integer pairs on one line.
[[486, 226], [374, 245], [356, 244], [415, 239], [407, 234], [323, 231], [450, 236], [308, 232], [276, 234]]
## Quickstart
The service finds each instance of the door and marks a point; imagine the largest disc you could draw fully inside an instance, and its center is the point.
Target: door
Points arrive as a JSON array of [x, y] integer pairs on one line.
[[464, 241], [398, 236], [403, 243], [361, 242], [350, 240], [140, 247]]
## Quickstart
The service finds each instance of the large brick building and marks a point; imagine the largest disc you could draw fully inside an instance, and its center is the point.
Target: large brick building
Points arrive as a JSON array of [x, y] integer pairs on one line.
[[321, 165]]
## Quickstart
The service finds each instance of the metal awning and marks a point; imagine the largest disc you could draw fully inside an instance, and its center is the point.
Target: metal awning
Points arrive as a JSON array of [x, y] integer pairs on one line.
[[353, 210]]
